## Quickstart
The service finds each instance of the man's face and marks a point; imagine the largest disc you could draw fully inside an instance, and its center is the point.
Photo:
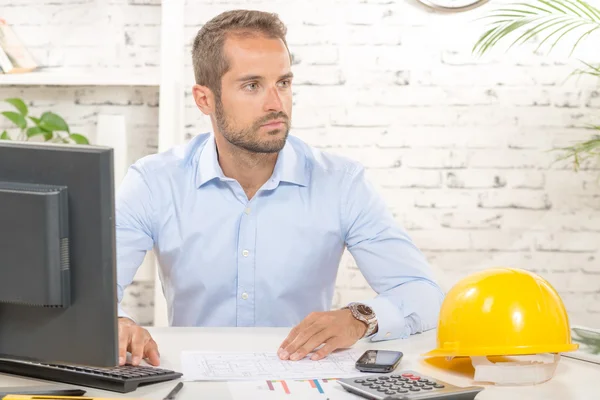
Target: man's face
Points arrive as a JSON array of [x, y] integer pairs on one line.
[[255, 108]]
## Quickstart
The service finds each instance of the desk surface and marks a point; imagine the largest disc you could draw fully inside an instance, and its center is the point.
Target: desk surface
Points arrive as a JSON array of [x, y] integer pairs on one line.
[[574, 379]]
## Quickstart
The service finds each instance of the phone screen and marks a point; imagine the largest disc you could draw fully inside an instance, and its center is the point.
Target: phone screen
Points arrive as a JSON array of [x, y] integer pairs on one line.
[[380, 357]]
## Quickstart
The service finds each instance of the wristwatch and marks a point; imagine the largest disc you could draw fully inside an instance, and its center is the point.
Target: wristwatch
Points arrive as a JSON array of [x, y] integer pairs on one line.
[[364, 313]]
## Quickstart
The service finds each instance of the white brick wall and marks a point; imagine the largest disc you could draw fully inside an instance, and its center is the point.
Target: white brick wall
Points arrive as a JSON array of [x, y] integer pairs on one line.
[[456, 144]]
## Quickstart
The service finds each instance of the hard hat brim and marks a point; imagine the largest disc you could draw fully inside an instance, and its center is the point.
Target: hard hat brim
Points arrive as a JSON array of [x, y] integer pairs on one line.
[[502, 351]]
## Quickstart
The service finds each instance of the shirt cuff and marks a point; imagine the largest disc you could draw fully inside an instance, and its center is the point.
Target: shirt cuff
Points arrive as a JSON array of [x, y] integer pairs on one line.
[[390, 321], [122, 313]]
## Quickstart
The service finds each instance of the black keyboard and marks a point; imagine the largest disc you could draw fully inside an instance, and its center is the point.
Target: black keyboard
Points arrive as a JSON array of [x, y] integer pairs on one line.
[[121, 379]]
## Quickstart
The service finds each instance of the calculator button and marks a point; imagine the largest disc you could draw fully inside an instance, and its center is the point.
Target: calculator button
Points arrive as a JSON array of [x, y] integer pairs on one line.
[[394, 387], [414, 389], [387, 385], [402, 391], [390, 392], [384, 378], [431, 383], [415, 378], [427, 388], [438, 386], [382, 390], [423, 380], [372, 379], [395, 376], [359, 381], [407, 375]]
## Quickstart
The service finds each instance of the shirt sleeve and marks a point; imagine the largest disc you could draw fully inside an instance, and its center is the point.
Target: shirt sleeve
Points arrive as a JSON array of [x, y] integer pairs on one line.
[[408, 298], [134, 213]]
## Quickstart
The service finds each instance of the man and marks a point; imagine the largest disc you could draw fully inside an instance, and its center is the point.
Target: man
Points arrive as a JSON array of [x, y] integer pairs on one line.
[[249, 225]]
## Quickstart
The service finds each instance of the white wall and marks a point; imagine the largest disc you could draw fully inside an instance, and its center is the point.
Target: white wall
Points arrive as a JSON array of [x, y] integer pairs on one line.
[[457, 145]]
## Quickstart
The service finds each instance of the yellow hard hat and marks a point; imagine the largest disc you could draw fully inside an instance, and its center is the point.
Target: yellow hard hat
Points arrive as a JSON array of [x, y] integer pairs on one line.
[[502, 311]]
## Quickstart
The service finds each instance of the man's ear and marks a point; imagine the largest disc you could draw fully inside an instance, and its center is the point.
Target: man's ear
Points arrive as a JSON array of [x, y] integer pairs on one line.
[[204, 98]]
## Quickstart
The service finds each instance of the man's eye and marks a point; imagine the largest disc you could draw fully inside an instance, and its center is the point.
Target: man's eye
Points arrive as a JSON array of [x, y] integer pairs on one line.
[[251, 86], [285, 83]]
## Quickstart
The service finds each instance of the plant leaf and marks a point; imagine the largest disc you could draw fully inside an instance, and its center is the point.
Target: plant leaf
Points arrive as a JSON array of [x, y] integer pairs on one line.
[[36, 130], [52, 122], [19, 105], [541, 19], [16, 119], [79, 138], [4, 136]]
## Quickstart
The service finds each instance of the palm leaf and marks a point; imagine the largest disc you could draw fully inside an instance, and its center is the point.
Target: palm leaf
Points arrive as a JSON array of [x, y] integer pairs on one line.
[[547, 19], [593, 70], [582, 151]]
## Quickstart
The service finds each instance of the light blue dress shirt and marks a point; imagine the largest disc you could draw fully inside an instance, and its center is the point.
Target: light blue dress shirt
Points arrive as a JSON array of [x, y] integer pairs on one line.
[[269, 261]]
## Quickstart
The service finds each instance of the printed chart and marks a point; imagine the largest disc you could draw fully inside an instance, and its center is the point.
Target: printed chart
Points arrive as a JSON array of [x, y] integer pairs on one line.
[[312, 389], [265, 366]]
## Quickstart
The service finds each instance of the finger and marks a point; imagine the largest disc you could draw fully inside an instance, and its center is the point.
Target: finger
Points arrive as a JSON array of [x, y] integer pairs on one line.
[[138, 341], [304, 336], [306, 322], [124, 338], [151, 353], [330, 346], [291, 336], [314, 342]]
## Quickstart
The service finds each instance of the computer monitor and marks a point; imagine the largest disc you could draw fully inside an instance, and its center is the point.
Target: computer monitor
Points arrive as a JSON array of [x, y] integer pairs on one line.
[[58, 301]]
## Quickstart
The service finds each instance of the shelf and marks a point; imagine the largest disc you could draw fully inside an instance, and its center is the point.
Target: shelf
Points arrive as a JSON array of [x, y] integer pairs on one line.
[[84, 77]]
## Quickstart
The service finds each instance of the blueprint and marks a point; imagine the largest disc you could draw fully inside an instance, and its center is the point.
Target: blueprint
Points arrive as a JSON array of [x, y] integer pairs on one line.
[[219, 366]]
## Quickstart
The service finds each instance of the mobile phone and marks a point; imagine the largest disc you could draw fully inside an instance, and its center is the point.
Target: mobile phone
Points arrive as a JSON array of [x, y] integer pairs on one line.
[[379, 361]]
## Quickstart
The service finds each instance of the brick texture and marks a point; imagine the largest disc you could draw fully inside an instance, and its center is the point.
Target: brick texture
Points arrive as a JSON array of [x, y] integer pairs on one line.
[[456, 144]]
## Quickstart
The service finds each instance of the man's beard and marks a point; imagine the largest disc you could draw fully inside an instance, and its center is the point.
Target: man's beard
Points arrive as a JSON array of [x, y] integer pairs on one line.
[[248, 138]]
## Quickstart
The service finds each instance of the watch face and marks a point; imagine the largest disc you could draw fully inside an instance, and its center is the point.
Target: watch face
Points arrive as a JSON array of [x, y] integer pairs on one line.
[[364, 309]]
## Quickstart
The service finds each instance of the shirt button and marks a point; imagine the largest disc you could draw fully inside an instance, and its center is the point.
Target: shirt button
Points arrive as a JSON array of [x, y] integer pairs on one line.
[[247, 210], [244, 296], [245, 253]]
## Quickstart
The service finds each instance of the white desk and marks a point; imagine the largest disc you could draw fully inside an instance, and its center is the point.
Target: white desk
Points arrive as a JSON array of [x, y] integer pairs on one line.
[[574, 380]]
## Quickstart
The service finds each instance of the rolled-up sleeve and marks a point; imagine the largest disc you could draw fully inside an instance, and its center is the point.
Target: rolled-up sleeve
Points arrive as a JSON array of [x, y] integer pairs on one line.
[[408, 297]]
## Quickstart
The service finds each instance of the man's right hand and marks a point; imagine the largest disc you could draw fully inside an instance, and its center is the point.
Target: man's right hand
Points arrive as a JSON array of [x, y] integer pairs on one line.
[[138, 342]]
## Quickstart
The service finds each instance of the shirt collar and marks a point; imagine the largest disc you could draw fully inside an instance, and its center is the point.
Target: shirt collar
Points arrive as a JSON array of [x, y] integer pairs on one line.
[[290, 166]]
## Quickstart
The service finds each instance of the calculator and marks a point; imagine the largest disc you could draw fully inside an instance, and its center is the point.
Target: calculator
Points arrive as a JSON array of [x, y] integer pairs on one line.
[[407, 385]]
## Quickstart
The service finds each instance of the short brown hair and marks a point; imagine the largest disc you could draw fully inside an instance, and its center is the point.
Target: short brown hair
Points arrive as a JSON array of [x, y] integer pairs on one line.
[[210, 64]]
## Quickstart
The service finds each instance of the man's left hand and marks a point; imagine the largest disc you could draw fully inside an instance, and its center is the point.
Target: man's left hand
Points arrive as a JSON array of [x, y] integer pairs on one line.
[[332, 329]]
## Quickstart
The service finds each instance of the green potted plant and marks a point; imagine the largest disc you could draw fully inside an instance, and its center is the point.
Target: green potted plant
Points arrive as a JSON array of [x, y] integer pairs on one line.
[[49, 126], [549, 22]]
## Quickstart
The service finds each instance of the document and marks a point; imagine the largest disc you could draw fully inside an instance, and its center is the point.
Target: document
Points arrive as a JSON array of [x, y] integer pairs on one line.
[[314, 389], [219, 366]]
